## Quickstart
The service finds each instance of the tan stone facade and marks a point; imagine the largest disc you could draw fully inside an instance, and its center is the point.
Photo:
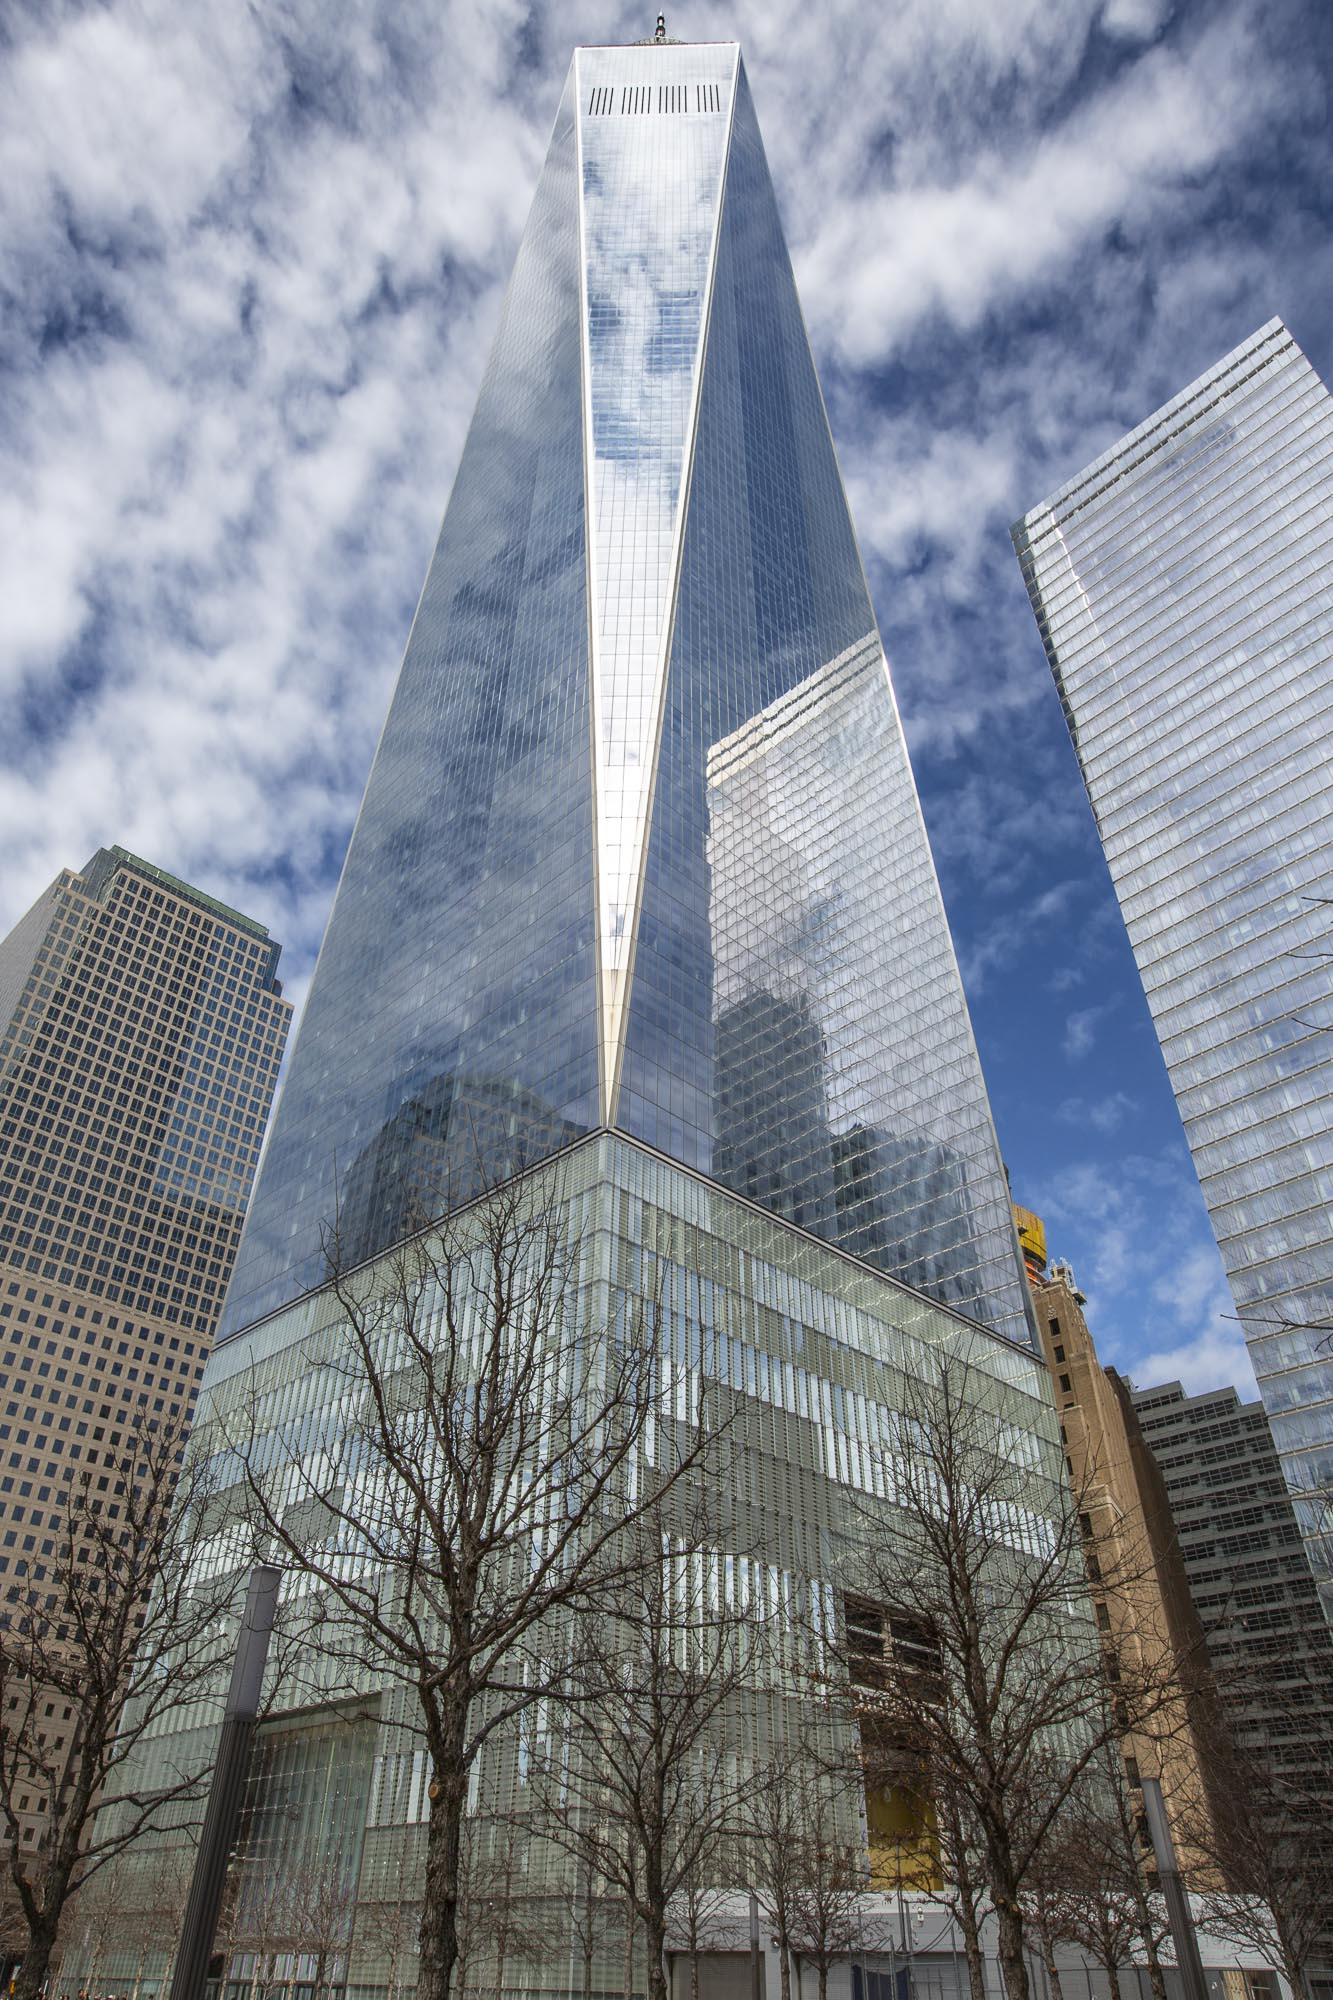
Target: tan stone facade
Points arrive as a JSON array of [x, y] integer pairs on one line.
[[1151, 1619], [141, 1029]]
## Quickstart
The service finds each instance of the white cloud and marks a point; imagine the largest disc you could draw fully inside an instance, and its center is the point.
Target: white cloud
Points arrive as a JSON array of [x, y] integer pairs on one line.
[[1004, 943], [1081, 1032], [1193, 1304], [1159, 1307], [1105, 1114], [254, 259], [215, 510], [1134, 20], [958, 244]]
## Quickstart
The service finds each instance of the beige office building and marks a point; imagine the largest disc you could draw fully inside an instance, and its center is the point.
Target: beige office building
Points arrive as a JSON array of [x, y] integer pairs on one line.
[[1123, 1501], [141, 1029]]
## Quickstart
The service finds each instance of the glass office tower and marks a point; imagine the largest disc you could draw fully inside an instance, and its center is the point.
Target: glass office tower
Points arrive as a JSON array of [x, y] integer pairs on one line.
[[1183, 588], [640, 905], [641, 848]]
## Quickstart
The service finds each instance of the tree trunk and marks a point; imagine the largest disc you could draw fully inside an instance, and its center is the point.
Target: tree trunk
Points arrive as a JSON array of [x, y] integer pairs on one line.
[[1052, 1970], [629, 1950], [823, 1980], [694, 1971], [501, 1956], [31, 1975], [657, 1979], [438, 1935], [1295, 1974], [970, 1925], [587, 1932], [1013, 1965], [1148, 1935], [969, 1921], [784, 1966]]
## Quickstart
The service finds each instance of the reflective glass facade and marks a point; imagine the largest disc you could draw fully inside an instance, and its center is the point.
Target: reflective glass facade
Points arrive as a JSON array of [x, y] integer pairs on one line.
[[450, 1029], [1185, 597], [641, 847], [815, 1354]]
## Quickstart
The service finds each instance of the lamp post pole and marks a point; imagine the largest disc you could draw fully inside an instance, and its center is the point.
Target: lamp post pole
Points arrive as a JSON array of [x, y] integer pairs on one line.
[[1173, 1891], [223, 1811]]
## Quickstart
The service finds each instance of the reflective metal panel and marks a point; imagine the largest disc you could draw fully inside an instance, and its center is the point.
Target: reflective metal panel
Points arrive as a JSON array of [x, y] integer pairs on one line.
[[1185, 597]]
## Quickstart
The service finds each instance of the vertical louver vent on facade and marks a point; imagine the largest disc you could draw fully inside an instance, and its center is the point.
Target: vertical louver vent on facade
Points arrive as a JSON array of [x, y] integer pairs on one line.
[[637, 98]]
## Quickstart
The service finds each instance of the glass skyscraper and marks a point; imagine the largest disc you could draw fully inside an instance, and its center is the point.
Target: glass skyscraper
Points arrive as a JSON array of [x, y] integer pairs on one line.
[[641, 849], [640, 904], [1184, 592]]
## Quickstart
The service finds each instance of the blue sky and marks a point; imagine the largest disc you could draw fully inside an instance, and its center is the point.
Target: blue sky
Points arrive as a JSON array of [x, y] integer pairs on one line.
[[250, 261]]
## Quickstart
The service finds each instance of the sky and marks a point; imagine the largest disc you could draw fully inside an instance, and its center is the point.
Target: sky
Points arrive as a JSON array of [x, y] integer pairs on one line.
[[251, 258]]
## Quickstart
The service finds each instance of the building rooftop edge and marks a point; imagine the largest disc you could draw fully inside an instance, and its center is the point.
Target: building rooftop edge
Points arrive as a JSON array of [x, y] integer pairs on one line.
[[1199, 1396], [1271, 330], [651, 42], [162, 876], [602, 1132]]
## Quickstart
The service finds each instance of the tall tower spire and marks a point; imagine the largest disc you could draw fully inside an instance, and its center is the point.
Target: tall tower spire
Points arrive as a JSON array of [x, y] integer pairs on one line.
[[641, 849]]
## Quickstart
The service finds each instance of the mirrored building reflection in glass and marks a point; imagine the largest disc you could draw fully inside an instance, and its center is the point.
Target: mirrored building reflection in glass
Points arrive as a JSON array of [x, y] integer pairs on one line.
[[1184, 589], [641, 849]]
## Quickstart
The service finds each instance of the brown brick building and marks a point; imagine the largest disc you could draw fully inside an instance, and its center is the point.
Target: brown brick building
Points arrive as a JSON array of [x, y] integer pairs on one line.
[[1153, 1620], [141, 1029]]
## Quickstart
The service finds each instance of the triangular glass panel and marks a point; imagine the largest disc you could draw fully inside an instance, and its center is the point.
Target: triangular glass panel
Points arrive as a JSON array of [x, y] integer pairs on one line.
[[450, 1033], [796, 1025]]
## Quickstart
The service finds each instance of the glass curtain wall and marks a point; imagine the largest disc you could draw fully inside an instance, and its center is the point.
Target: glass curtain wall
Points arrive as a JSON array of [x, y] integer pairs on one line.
[[1184, 589], [641, 845]]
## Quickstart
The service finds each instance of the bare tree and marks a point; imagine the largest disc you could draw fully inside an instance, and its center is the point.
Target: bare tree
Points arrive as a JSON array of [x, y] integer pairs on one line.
[[390, 1930], [322, 1900], [1089, 1888], [117, 1628], [828, 1905], [1107, 1854], [699, 1916], [593, 1916], [637, 1778], [284, 1905], [962, 1888], [972, 1654], [493, 1451], [804, 1838], [499, 1919], [1270, 1843], [148, 1934], [774, 1831]]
